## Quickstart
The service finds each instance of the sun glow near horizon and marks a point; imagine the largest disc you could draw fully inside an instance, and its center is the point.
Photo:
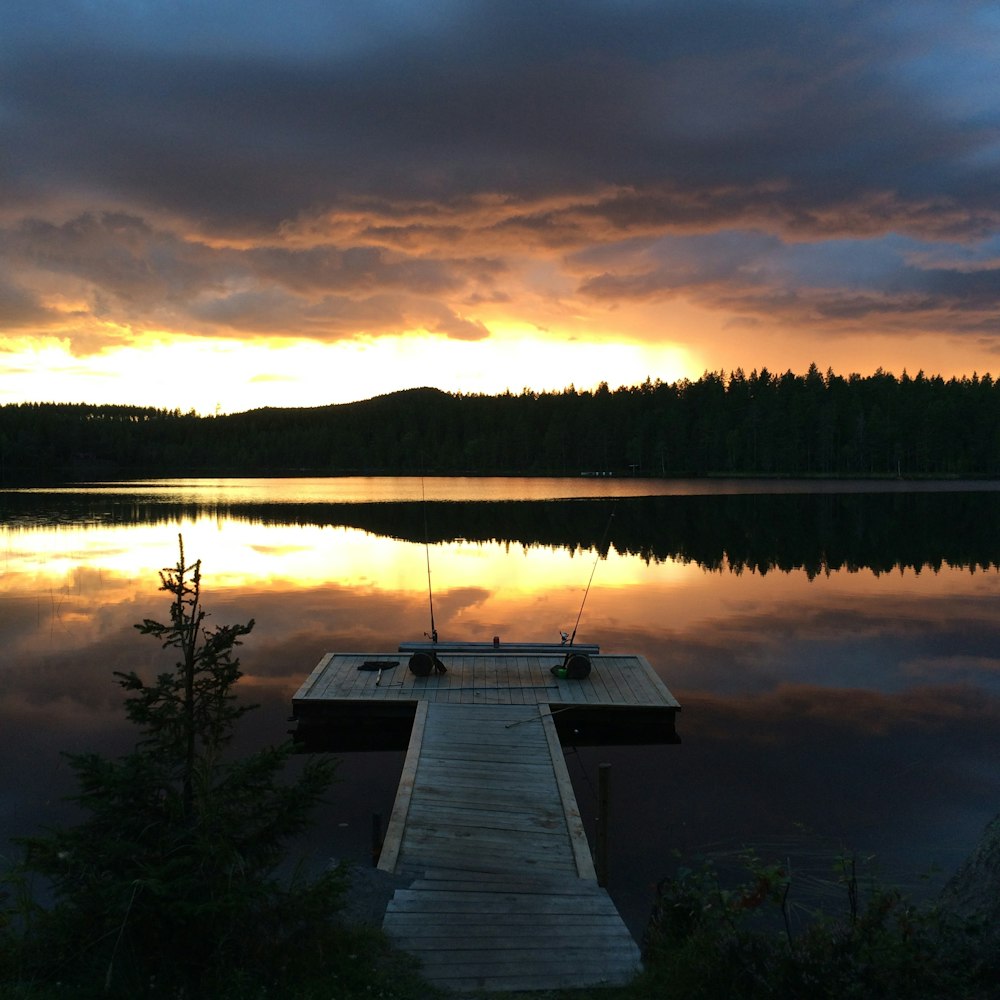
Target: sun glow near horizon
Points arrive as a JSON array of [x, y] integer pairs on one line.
[[275, 233], [228, 375]]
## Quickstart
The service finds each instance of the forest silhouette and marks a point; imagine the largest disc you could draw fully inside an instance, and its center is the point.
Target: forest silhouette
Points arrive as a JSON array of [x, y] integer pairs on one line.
[[760, 424]]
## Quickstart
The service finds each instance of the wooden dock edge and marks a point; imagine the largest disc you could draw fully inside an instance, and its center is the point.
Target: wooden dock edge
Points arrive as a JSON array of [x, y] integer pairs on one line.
[[389, 854], [574, 824], [313, 677], [657, 682]]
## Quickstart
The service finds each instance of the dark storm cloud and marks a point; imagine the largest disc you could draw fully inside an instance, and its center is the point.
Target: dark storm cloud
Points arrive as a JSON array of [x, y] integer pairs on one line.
[[19, 308], [126, 266], [330, 317], [320, 171], [526, 99], [842, 281]]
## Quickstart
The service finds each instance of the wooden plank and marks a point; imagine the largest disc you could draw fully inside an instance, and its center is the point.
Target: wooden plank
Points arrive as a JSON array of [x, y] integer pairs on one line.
[[629, 684], [497, 936], [658, 683], [488, 825], [442, 876], [494, 900], [559, 956], [469, 740], [617, 682], [509, 760], [467, 811], [633, 689], [444, 780], [490, 767], [310, 681], [467, 730], [492, 649], [512, 882], [414, 923], [488, 819], [491, 841], [475, 864], [499, 794], [577, 835], [327, 685], [397, 820], [503, 856], [517, 974], [477, 942], [520, 983], [472, 857]]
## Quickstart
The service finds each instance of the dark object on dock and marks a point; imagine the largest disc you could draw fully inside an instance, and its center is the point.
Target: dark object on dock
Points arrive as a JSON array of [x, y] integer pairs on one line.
[[378, 664], [422, 664], [575, 667]]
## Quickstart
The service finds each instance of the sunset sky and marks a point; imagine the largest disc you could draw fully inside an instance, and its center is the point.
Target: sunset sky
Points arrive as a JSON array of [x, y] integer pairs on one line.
[[227, 205]]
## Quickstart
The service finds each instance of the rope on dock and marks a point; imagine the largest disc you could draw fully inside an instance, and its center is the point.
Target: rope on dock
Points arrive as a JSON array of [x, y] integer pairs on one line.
[[539, 718]]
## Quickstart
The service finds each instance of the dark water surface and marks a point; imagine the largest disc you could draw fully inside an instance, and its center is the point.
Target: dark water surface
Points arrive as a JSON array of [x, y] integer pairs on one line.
[[834, 645]]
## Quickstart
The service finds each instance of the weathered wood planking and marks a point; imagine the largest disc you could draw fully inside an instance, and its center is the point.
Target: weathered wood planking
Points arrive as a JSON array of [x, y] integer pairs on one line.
[[505, 896], [485, 819], [484, 791], [496, 932], [486, 678]]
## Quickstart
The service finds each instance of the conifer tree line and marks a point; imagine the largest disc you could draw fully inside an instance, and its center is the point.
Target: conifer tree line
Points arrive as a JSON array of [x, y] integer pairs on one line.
[[736, 424]]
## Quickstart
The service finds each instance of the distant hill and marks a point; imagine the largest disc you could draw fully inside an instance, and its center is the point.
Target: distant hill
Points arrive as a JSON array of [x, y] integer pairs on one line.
[[757, 424]]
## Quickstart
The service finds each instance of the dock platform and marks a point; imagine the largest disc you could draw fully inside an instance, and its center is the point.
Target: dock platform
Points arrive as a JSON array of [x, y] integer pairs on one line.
[[346, 704], [504, 894]]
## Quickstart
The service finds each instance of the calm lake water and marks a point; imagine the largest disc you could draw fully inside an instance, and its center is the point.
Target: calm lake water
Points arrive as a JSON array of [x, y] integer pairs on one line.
[[828, 702]]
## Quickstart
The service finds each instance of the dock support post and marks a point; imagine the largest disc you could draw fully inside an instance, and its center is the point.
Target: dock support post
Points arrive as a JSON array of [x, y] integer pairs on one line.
[[376, 837], [603, 805]]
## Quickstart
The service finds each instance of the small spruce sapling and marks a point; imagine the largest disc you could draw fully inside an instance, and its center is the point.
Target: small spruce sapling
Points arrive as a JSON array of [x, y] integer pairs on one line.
[[172, 873]]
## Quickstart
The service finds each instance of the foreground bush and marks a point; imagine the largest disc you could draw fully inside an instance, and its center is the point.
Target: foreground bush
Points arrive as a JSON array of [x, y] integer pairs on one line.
[[706, 940]]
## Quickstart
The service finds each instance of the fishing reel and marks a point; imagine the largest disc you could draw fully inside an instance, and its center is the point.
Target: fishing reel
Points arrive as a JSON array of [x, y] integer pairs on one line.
[[421, 664], [575, 667]]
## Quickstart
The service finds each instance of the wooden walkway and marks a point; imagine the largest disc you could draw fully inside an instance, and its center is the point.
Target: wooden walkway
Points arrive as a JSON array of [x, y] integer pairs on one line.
[[486, 788], [497, 933], [504, 894]]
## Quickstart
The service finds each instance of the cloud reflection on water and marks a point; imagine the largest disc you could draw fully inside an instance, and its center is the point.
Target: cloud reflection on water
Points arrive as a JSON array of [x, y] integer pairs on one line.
[[862, 706]]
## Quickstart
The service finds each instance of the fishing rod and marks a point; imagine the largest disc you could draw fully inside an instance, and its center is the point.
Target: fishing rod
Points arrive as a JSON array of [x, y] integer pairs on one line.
[[427, 552], [422, 663], [576, 666], [539, 717], [593, 570]]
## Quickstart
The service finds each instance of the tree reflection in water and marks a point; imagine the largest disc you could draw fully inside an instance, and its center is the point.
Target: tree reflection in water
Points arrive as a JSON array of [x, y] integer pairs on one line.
[[835, 653]]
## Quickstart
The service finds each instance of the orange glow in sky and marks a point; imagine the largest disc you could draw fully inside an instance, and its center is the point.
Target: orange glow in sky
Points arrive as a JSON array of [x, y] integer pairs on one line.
[[282, 205]]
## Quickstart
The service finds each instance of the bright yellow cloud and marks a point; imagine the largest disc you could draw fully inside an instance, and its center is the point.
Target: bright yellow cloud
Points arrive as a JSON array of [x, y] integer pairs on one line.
[[223, 375]]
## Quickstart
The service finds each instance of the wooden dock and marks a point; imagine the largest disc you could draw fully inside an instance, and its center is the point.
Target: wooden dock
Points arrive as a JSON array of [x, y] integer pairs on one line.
[[504, 893]]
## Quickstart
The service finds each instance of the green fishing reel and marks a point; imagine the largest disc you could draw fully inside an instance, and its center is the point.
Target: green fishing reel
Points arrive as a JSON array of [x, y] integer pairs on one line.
[[575, 667]]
